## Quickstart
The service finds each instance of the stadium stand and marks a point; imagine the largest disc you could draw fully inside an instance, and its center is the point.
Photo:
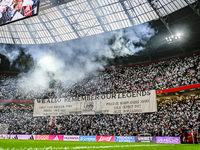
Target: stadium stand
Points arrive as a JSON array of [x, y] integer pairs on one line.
[[175, 32], [162, 75], [175, 118]]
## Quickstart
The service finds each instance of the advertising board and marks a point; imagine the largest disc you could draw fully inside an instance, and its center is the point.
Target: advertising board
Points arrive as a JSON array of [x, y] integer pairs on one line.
[[105, 138], [145, 139], [172, 140], [71, 138], [25, 137], [56, 137], [42, 137], [87, 138], [124, 139]]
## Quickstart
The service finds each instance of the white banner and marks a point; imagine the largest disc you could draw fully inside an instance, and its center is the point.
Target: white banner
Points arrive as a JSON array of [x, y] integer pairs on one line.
[[120, 103]]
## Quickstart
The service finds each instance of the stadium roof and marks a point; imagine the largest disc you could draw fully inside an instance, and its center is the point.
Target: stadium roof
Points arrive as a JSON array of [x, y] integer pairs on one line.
[[63, 20]]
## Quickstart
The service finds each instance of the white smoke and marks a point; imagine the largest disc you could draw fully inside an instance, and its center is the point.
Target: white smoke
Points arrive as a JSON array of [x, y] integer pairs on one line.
[[11, 54], [126, 40], [71, 61]]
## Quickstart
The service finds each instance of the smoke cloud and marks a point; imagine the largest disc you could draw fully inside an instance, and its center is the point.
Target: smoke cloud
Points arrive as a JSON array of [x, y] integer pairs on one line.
[[11, 53], [71, 61]]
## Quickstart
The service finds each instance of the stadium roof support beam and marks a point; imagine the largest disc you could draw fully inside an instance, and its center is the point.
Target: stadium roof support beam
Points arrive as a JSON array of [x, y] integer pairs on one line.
[[74, 24], [46, 4], [29, 31], [97, 16], [164, 20], [128, 15], [103, 17], [126, 11], [46, 28], [195, 6], [11, 34]]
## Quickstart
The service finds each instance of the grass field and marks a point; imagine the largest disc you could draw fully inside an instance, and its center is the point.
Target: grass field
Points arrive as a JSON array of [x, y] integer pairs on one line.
[[65, 145]]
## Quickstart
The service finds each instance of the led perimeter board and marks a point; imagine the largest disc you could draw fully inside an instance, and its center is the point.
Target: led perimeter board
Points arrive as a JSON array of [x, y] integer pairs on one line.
[[14, 10]]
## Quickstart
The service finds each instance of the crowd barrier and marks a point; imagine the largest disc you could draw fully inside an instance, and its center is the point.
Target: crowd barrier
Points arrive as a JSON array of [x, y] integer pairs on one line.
[[133, 139]]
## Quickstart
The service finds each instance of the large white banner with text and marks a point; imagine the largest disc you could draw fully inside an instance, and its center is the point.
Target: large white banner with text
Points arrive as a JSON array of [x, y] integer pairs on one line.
[[120, 103]]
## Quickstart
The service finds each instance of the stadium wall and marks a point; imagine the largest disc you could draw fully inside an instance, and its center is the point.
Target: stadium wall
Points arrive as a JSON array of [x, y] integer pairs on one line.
[[131, 139]]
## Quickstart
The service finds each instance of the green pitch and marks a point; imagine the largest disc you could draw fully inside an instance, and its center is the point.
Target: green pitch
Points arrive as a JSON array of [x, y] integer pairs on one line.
[[65, 145]]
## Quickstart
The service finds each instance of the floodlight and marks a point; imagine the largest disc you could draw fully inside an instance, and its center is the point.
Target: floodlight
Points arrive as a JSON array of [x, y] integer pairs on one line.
[[178, 34]]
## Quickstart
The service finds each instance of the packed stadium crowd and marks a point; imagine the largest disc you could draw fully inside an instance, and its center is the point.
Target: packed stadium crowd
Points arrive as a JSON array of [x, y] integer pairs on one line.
[[162, 75], [158, 76], [174, 117]]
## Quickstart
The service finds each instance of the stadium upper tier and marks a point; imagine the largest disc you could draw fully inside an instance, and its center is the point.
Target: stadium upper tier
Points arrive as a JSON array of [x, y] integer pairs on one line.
[[81, 18], [157, 76]]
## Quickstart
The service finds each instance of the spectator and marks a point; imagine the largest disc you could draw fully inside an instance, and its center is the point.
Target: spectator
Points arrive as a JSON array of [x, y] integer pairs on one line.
[[170, 120], [162, 75]]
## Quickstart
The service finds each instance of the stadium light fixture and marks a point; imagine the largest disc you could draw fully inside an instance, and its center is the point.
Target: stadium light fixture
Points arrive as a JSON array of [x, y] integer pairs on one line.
[[178, 34], [173, 38]]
